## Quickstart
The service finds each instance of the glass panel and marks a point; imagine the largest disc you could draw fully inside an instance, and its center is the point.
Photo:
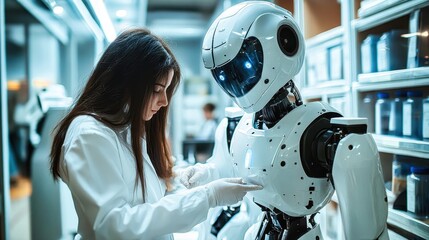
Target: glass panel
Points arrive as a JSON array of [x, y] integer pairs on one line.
[[241, 74]]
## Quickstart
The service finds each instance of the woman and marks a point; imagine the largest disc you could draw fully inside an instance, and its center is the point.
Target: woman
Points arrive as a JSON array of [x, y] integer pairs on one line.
[[112, 152]]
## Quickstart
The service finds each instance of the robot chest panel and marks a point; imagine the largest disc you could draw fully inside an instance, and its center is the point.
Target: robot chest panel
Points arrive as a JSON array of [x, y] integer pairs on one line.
[[271, 157], [261, 150]]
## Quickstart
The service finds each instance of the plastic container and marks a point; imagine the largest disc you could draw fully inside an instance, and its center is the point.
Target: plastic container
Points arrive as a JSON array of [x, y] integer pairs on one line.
[[400, 171], [368, 109], [418, 192], [335, 62], [395, 120], [369, 53], [382, 113], [418, 49], [425, 119], [412, 115], [392, 51]]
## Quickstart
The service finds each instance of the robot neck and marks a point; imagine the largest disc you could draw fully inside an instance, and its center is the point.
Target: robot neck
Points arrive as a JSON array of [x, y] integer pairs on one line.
[[278, 225], [285, 100]]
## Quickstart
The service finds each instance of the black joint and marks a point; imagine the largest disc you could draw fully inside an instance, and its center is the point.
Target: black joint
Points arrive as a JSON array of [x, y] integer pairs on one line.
[[310, 204]]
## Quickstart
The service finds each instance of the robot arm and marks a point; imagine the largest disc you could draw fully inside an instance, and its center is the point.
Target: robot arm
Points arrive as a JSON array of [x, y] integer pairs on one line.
[[358, 180]]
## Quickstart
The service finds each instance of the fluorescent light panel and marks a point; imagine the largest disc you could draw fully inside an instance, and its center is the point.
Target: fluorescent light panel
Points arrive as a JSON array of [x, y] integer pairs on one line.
[[83, 11], [58, 10], [121, 13], [103, 17], [422, 34]]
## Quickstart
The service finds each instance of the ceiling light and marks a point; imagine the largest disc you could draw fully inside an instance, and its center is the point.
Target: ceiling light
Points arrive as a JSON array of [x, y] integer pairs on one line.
[[58, 10], [121, 13], [422, 34]]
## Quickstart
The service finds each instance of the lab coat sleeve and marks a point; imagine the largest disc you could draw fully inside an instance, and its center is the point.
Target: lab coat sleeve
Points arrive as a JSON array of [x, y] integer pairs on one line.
[[94, 176], [220, 164]]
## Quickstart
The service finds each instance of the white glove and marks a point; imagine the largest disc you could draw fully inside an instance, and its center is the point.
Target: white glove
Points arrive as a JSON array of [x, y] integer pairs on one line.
[[195, 175], [227, 191]]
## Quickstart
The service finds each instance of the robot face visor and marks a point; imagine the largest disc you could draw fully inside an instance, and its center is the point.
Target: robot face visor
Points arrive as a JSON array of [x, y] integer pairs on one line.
[[241, 74]]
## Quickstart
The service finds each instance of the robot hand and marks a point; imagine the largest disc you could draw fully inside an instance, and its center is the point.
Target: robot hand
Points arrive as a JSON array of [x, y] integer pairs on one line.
[[228, 191], [195, 175]]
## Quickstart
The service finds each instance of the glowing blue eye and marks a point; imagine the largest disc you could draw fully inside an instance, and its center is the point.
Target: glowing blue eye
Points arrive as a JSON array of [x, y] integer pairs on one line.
[[221, 77], [247, 65]]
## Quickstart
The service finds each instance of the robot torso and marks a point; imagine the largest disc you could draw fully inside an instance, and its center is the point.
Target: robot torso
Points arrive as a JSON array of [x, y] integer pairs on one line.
[[271, 157]]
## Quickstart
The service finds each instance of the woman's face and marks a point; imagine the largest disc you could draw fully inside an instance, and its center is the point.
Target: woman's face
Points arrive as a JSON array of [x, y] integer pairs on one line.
[[159, 96]]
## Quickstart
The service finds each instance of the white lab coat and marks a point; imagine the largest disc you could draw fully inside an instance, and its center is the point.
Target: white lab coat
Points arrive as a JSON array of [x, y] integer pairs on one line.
[[207, 130], [100, 171]]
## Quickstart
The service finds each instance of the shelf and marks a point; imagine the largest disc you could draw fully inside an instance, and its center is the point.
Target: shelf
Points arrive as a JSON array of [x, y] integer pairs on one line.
[[388, 14], [402, 146], [404, 78], [403, 74], [326, 88], [331, 37], [406, 222], [375, 6]]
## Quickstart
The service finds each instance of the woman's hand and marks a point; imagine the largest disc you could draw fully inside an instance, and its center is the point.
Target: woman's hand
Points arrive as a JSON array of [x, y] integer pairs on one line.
[[227, 191], [194, 176]]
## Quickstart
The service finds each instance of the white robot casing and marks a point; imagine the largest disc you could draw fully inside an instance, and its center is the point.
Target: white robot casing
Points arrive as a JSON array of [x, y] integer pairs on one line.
[[225, 36], [254, 49], [279, 169]]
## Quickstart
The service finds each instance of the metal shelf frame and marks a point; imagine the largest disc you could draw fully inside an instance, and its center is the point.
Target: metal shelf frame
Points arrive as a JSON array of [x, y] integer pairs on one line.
[[396, 75], [402, 146], [404, 221], [388, 14], [386, 85]]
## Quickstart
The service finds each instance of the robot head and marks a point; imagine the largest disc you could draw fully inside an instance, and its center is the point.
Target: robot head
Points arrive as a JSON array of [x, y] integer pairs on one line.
[[253, 49]]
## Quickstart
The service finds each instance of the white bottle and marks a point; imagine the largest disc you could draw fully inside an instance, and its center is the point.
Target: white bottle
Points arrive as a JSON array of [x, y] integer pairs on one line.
[[382, 113]]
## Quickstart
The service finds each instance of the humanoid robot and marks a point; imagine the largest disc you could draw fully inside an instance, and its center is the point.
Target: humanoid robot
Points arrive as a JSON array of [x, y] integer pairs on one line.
[[301, 153]]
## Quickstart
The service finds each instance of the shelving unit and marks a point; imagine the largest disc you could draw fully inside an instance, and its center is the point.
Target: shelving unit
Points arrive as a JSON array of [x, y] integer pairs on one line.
[[416, 75], [387, 15], [346, 25], [325, 70], [402, 220], [402, 146]]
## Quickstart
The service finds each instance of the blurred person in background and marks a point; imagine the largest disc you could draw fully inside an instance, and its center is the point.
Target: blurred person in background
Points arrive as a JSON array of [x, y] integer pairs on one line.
[[208, 128]]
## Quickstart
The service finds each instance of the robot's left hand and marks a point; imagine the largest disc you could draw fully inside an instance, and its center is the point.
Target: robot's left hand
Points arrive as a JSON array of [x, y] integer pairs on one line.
[[195, 175]]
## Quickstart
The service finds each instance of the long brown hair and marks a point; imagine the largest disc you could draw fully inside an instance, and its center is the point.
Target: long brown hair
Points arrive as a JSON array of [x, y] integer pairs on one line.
[[124, 78]]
